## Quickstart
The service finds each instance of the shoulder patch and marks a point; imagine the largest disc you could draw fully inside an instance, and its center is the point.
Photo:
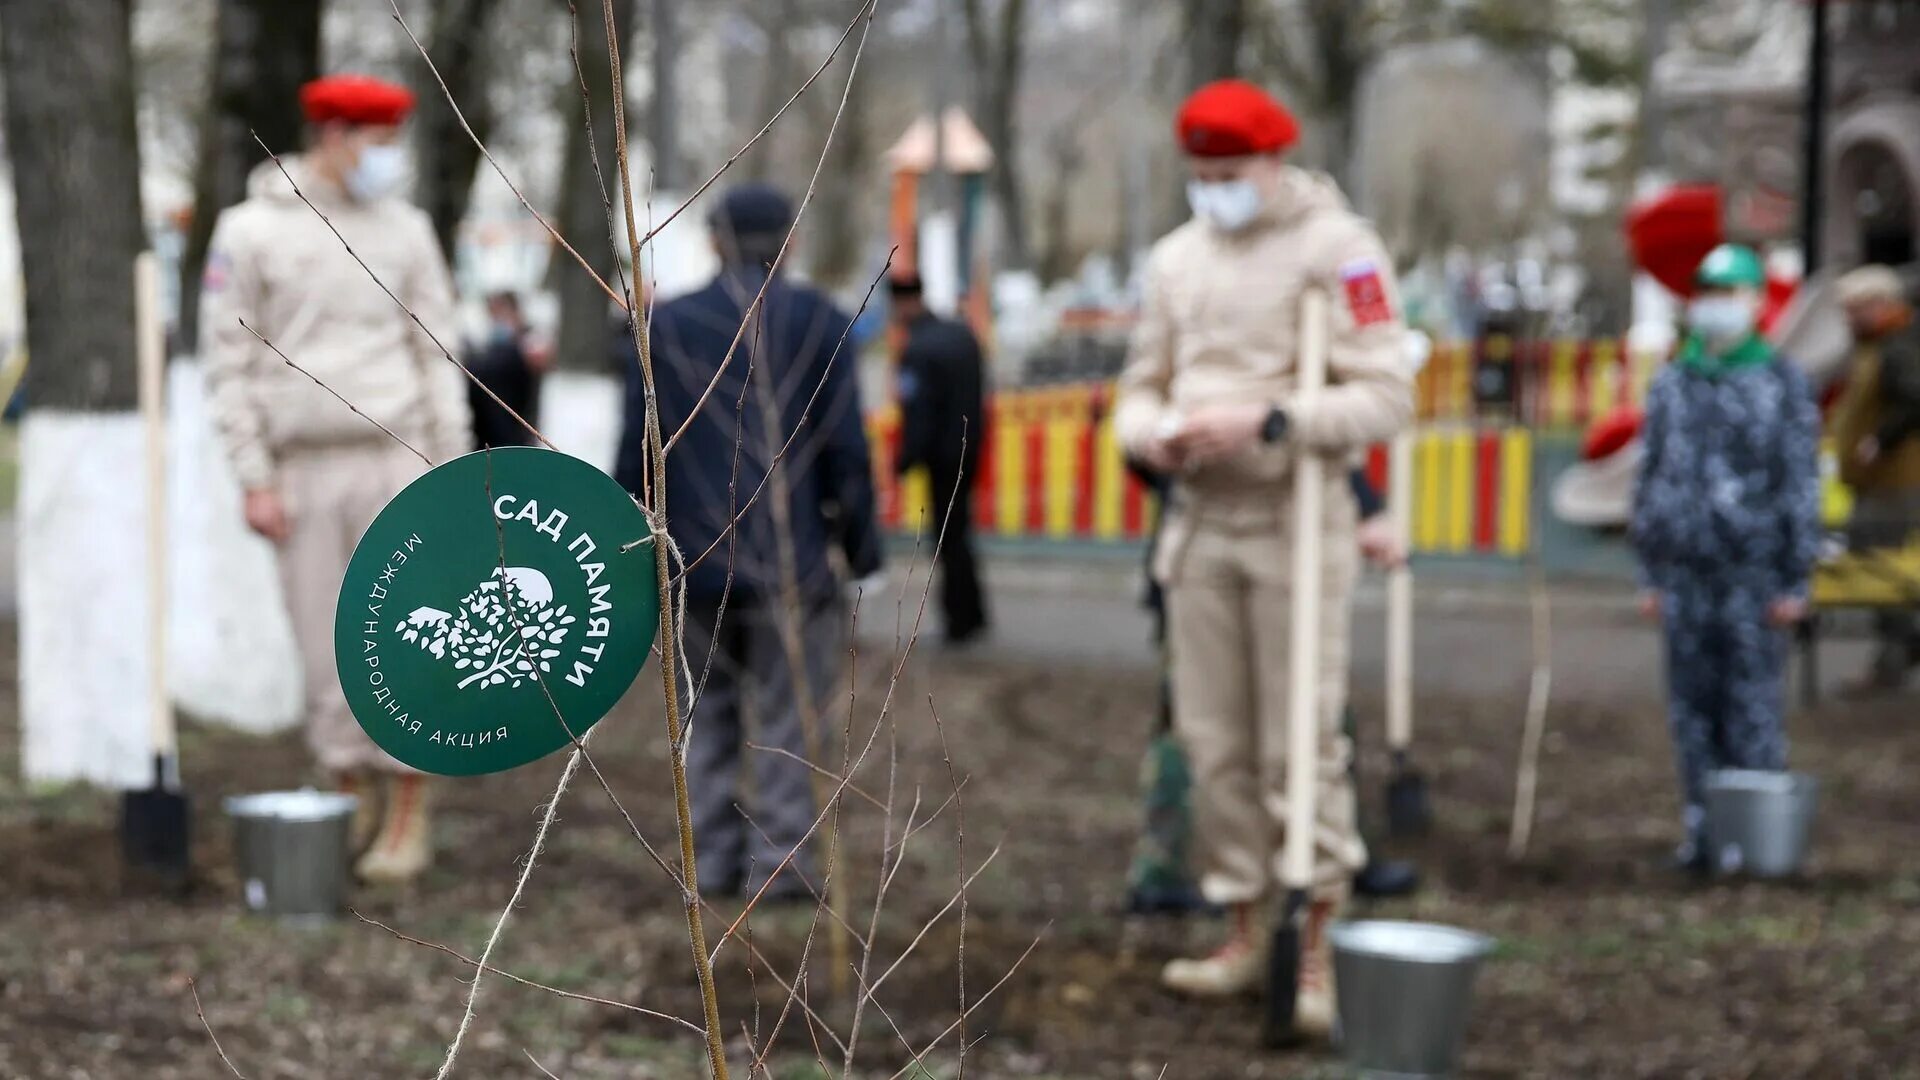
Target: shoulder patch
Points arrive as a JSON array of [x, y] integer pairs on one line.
[[1366, 292], [214, 277]]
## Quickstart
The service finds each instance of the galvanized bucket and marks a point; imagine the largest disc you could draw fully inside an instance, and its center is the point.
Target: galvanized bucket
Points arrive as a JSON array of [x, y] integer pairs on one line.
[[1404, 990], [1757, 821], [292, 851]]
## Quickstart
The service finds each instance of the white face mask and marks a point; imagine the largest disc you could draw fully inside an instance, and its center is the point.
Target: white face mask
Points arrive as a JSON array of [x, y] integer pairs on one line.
[[1230, 205], [1722, 321], [378, 173]]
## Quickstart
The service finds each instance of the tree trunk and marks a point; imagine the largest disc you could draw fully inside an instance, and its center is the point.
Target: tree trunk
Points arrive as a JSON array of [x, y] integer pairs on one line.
[[1343, 52], [584, 337], [837, 229], [264, 50], [778, 18], [664, 118], [1214, 32], [997, 68], [76, 170], [445, 156]]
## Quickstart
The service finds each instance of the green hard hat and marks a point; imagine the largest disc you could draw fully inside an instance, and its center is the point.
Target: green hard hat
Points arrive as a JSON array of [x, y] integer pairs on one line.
[[1730, 266]]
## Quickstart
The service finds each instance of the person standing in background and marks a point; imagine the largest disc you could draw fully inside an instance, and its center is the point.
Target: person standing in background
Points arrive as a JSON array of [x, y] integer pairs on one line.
[[315, 474], [770, 479], [942, 386], [1726, 524], [1876, 432], [510, 365]]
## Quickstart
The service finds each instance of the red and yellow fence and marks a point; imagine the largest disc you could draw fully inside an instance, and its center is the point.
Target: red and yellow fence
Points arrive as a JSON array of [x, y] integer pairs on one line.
[[1556, 384], [1051, 470]]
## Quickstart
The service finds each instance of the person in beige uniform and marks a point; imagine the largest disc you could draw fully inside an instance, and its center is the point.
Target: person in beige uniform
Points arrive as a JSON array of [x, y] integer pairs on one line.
[[314, 474], [1208, 395]]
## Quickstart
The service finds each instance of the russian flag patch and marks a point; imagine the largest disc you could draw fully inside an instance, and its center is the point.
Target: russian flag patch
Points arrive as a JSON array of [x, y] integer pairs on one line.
[[1366, 293]]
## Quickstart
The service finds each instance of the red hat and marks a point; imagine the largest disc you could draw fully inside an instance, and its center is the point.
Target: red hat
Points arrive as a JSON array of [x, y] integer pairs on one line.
[[1611, 434], [355, 99], [1234, 118]]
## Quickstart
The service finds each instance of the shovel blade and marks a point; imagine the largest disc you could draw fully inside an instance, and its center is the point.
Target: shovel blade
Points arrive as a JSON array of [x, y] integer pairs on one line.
[[154, 838], [1278, 1030], [1408, 811]]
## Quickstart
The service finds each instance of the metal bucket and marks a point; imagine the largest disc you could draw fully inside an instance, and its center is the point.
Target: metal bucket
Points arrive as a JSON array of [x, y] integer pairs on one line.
[[1404, 990], [292, 851], [1757, 821]]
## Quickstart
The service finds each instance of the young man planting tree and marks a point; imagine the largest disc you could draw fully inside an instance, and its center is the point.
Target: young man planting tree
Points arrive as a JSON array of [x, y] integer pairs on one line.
[[315, 474], [1208, 395]]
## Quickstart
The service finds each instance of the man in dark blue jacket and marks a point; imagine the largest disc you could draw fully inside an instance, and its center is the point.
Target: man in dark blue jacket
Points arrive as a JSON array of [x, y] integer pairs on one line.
[[943, 384], [769, 477]]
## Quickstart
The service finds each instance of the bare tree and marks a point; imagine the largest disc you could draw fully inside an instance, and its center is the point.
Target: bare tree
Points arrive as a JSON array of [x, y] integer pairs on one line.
[[1214, 31], [776, 19], [264, 50], [664, 115], [998, 57], [444, 157], [76, 167], [583, 340]]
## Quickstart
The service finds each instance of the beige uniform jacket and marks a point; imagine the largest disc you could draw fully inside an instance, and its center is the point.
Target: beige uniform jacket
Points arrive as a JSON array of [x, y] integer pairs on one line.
[[1219, 322], [275, 264]]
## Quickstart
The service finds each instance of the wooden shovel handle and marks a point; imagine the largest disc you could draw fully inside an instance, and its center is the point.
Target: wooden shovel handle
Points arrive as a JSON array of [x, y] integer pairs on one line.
[[150, 346], [1303, 645], [1400, 597]]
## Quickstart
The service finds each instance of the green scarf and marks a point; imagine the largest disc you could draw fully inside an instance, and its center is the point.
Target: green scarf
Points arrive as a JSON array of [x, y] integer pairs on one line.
[[1695, 357]]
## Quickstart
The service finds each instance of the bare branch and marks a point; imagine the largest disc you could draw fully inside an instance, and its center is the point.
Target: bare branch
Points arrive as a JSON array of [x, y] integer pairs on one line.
[[480, 968], [201, 1013], [537, 1065], [336, 394], [500, 924], [612, 294], [866, 13]]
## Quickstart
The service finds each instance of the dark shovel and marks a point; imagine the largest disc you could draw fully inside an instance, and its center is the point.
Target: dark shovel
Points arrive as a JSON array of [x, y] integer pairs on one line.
[[1408, 811], [153, 822]]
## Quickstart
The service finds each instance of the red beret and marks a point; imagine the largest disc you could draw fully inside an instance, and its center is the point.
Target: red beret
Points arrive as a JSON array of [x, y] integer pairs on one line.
[[355, 99], [1233, 118]]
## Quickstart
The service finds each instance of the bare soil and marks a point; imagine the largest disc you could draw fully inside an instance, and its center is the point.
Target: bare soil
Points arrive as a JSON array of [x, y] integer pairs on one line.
[[1609, 966]]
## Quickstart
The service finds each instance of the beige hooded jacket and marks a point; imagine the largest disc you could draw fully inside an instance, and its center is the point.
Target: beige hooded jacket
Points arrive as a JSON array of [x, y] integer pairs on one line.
[[1218, 324], [276, 265]]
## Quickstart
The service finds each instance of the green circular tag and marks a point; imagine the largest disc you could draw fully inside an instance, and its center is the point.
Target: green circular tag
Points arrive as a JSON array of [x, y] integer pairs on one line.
[[490, 593]]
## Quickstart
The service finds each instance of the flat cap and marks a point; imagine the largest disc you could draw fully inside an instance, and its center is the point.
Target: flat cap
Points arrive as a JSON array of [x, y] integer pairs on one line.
[[752, 210]]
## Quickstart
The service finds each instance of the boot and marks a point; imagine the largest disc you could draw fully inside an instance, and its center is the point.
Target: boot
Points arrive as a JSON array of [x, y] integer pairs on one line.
[[1236, 968], [1315, 1007], [404, 846], [366, 809]]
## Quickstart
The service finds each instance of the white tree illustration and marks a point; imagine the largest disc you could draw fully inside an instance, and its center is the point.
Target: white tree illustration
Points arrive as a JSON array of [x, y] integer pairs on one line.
[[506, 629]]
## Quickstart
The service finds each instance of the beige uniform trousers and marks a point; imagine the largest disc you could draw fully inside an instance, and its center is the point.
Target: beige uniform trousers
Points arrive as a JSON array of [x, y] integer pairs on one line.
[[332, 494], [1226, 575]]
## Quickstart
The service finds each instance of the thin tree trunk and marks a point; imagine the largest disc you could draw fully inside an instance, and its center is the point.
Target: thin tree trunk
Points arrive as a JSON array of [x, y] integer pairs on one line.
[[1215, 30], [445, 156], [76, 172], [664, 118], [836, 223], [776, 84], [585, 333], [999, 61], [264, 50]]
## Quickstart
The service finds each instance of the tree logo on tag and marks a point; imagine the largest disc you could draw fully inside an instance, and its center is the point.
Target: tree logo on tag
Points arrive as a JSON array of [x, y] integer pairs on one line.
[[495, 610], [508, 628]]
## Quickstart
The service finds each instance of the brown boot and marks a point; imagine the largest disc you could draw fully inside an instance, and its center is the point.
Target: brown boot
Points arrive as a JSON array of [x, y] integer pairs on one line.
[[1316, 1006], [405, 844], [359, 783], [1235, 969]]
